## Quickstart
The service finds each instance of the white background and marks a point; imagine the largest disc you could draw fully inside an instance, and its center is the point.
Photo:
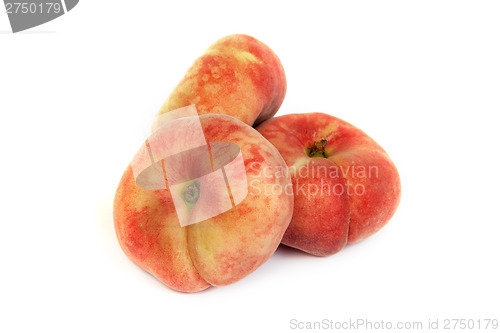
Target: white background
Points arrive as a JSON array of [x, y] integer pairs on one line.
[[77, 98]]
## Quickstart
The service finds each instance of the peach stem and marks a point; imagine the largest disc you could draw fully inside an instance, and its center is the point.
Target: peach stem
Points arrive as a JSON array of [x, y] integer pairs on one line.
[[317, 149]]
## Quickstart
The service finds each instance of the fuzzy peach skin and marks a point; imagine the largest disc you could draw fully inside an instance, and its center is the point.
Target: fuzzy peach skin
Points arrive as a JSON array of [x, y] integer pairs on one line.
[[345, 185], [237, 75], [217, 251]]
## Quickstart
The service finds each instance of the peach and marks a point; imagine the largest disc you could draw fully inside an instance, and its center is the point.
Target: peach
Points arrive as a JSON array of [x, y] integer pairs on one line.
[[237, 75], [345, 185], [221, 249]]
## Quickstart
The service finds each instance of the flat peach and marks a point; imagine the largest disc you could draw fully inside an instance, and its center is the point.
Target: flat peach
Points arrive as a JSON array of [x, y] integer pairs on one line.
[[346, 186], [237, 75], [222, 249]]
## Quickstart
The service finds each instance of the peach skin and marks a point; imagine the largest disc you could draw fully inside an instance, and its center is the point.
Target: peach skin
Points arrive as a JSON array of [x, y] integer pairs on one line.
[[237, 75], [219, 250], [345, 185]]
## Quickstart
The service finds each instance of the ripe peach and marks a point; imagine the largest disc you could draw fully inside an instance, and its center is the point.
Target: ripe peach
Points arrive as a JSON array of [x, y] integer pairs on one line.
[[238, 75], [223, 248], [346, 187]]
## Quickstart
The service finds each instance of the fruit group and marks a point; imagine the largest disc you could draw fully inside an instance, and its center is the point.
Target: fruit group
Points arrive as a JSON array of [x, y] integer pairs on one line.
[[345, 185], [237, 75], [222, 249]]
